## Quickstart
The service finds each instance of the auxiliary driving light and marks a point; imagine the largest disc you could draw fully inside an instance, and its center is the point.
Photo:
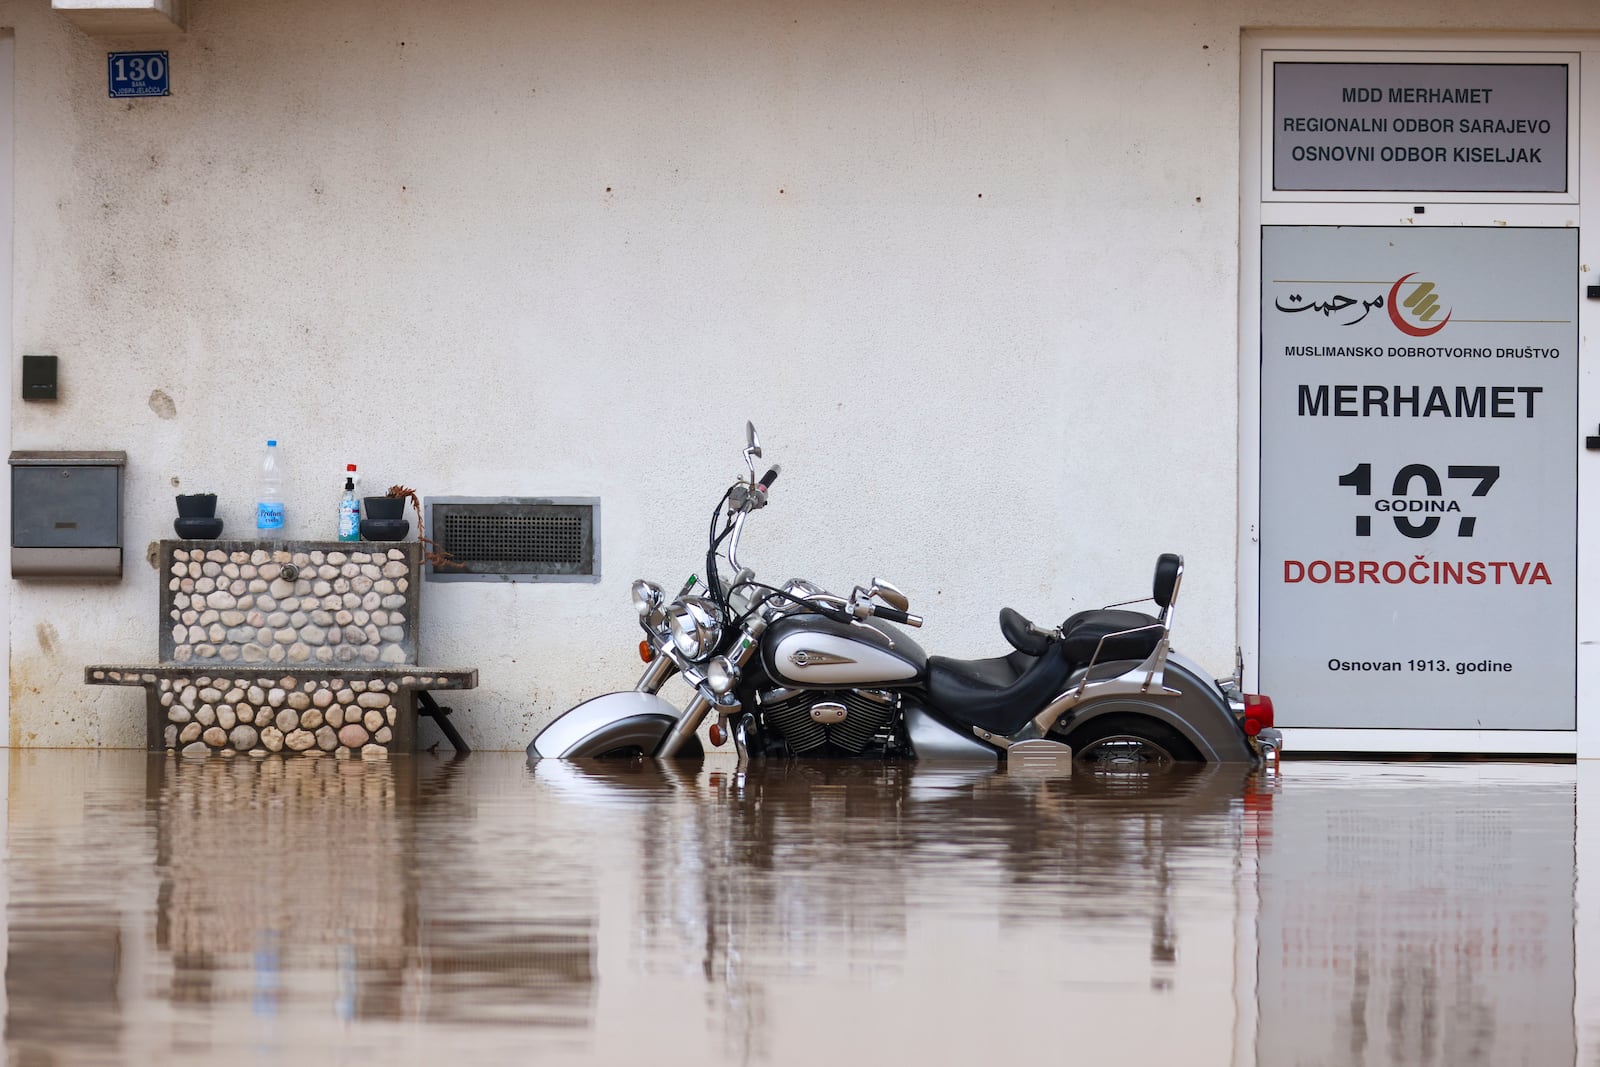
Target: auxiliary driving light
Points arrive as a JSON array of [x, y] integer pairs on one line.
[[720, 675], [647, 597]]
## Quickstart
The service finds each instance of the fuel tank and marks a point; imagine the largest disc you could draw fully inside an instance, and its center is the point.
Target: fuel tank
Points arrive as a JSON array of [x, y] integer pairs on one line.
[[812, 651]]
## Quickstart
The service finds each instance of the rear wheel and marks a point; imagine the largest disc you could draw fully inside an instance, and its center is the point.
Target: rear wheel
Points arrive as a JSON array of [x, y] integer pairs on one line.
[[1129, 743]]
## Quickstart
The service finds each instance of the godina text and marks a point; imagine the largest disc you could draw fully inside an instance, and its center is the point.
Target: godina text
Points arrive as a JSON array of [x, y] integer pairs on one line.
[[1419, 571], [1394, 401]]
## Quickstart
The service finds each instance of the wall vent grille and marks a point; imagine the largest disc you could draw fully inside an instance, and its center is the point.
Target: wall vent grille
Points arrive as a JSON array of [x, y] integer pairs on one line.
[[516, 539]]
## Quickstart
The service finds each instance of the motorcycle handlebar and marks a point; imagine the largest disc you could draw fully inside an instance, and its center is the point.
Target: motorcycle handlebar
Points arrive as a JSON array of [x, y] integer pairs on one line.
[[771, 476], [888, 614], [831, 611], [840, 612]]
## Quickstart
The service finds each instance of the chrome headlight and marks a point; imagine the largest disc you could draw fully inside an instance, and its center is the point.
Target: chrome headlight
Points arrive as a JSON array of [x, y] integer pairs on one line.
[[647, 597], [692, 621]]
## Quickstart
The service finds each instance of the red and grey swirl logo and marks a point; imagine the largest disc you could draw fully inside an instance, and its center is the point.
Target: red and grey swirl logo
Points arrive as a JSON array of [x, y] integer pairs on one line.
[[1415, 313]]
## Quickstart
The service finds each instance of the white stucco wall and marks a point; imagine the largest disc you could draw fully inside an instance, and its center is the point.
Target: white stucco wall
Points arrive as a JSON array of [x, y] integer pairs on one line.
[[971, 269]]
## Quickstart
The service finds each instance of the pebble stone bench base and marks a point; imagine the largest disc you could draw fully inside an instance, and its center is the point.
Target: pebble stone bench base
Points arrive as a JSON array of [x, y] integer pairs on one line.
[[297, 647], [362, 712]]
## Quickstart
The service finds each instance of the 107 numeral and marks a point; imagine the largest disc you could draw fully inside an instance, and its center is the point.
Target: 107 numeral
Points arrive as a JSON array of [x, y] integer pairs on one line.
[[1432, 503]]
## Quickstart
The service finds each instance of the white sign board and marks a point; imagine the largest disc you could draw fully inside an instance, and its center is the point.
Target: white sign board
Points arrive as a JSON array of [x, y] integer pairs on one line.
[[1414, 127], [1419, 476]]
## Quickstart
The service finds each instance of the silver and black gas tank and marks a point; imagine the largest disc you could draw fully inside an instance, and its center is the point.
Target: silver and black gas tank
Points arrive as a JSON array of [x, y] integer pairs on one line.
[[813, 651]]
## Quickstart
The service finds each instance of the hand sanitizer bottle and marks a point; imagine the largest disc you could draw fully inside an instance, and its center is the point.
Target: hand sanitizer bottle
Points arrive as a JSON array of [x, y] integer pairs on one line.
[[349, 508]]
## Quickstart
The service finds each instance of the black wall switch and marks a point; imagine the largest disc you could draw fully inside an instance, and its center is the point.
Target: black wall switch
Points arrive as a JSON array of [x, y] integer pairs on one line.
[[38, 377]]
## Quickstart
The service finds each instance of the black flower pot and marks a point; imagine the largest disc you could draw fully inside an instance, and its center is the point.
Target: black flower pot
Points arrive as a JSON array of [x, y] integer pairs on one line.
[[384, 529], [197, 505], [197, 528], [385, 507]]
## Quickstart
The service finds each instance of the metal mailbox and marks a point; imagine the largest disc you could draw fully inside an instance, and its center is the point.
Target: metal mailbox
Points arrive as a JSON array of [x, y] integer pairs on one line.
[[66, 514]]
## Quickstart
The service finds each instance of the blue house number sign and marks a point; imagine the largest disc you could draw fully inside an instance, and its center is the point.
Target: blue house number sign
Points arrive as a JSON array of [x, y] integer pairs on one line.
[[137, 74]]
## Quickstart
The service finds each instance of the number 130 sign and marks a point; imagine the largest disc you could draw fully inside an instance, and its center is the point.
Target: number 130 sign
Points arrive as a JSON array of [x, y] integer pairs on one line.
[[137, 74]]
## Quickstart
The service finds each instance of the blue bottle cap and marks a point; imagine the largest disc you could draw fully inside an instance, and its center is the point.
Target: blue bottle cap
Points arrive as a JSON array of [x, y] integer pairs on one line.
[[272, 444]]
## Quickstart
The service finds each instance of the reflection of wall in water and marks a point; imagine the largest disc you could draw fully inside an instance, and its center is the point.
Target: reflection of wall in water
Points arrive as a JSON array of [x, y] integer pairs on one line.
[[49, 966], [506, 934], [1423, 922], [74, 913]]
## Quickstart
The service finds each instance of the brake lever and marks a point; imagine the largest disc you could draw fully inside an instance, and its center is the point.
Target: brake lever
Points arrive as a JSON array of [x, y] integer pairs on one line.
[[757, 493]]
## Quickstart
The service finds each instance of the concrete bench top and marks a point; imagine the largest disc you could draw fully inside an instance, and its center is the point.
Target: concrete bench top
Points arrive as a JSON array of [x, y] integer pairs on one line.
[[406, 676]]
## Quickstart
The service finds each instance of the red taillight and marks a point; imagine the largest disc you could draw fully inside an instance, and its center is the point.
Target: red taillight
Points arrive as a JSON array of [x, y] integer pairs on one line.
[[1257, 713], [646, 653]]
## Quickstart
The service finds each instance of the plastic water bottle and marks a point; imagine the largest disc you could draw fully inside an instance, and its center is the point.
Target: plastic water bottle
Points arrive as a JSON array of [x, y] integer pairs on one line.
[[349, 508], [269, 498]]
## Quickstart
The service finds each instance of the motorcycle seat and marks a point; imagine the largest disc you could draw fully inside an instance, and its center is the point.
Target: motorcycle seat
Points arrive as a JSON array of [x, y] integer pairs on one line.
[[996, 673], [1127, 634], [1000, 694], [1023, 635], [1137, 635]]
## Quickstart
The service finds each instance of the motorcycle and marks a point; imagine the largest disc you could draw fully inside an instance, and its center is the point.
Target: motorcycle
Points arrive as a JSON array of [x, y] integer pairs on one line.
[[795, 670]]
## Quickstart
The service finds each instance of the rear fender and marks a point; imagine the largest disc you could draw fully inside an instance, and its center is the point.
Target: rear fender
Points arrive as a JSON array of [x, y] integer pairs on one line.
[[1199, 712], [616, 720]]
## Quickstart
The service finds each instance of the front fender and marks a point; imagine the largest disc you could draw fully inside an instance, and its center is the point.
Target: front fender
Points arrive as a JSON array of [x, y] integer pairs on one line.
[[606, 723]]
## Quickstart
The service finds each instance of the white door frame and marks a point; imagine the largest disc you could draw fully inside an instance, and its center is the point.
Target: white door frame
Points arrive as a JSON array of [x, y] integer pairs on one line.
[[1259, 206], [7, 214]]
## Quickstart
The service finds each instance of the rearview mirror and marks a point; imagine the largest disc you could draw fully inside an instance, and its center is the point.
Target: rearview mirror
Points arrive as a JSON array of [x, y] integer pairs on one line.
[[752, 446], [886, 592]]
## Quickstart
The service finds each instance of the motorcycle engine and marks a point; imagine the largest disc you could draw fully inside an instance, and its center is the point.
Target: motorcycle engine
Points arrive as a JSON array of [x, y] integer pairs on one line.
[[846, 720]]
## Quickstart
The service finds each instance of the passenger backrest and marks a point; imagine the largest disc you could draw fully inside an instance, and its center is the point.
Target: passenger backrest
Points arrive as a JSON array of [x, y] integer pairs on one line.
[[1169, 568]]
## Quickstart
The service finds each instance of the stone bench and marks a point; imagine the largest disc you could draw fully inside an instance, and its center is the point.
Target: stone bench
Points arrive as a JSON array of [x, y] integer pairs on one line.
[[291, 647]]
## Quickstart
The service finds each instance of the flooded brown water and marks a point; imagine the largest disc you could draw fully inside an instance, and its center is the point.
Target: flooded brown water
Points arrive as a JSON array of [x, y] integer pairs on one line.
[[479, 910]]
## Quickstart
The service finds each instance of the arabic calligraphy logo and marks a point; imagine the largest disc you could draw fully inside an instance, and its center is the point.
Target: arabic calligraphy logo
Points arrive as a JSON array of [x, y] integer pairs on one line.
[[1423, 305], [1335, 306], [1416, 320]]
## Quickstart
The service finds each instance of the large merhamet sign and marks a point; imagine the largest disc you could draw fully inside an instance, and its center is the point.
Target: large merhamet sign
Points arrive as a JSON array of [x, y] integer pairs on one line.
[[1418, 477]]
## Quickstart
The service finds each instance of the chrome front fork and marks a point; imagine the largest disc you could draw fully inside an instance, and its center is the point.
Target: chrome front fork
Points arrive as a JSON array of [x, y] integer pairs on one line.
[[655, 676], [687, 724]]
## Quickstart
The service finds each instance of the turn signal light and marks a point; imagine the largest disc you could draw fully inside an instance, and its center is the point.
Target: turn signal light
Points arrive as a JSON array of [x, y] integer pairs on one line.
[[1257, 713], [646, 653], [717, 734]]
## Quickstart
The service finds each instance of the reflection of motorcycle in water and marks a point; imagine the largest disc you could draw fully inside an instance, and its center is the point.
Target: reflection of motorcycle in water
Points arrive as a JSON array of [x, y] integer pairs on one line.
[[798, 671], [799, 872]]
